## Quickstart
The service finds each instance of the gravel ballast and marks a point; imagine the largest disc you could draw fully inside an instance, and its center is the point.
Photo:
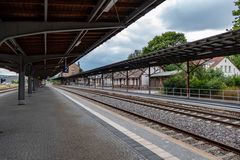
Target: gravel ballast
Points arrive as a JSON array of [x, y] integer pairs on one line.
[[217, 132]]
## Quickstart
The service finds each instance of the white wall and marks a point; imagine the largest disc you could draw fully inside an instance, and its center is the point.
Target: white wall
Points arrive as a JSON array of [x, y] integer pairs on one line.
[[145, 78], [228, 68]]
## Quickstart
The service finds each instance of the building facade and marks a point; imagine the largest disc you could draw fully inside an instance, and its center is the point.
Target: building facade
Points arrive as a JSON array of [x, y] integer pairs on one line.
[[224, 64]]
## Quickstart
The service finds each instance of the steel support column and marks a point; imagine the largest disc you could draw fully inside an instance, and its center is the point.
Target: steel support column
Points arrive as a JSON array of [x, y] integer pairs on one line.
[[21, 83], [34, 84], [112, 80], [84, 81], [95, 79], [149, 80], [127, 79], [30, 81], [29, 85], [89, 81], [188, 81], [102, 81]]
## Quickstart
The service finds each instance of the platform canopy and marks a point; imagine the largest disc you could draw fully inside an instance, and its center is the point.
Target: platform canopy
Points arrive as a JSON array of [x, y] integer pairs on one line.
[[219, 45], [47, 34]]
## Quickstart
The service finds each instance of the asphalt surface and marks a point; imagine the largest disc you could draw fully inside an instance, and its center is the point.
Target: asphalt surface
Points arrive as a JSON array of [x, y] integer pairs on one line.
[[49, 127]]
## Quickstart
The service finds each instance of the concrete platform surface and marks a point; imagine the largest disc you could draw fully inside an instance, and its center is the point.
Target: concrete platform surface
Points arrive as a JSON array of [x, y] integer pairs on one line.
[[50, 127], [57, 125]]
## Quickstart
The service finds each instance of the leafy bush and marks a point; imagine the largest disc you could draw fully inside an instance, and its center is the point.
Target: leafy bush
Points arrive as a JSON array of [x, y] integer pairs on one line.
[[232, 81], [177, 81], [14, 81], [202, 78]]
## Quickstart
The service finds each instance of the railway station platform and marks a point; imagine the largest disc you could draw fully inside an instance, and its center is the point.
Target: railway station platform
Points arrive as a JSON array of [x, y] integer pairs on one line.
[[228, 105], [57, 125]]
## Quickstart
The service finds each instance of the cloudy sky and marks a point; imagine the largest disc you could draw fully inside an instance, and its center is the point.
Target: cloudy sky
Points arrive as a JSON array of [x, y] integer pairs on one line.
[[196, 18]]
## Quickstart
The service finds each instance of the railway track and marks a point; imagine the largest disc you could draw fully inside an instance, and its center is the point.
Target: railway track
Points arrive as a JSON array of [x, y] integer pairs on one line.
[[7, 90], [225, 151], [218, 116]]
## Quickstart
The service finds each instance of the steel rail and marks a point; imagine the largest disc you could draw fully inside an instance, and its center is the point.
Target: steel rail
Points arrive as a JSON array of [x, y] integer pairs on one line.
[[221, 145]]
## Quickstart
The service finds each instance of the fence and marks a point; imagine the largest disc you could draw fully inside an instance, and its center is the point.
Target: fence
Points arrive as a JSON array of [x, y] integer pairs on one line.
[[224, 95], [231, 95]]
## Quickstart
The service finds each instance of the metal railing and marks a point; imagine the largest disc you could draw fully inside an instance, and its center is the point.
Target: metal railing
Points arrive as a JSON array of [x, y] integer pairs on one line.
[[210, 94], [226, 95]]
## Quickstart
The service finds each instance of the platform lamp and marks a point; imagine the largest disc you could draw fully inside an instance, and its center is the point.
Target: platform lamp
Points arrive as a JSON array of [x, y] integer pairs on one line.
[[65, 67]]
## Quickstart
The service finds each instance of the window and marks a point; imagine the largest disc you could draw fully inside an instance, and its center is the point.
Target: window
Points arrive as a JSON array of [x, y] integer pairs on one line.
[[229, 69], [226, 69], [225, 61], [222, 68]]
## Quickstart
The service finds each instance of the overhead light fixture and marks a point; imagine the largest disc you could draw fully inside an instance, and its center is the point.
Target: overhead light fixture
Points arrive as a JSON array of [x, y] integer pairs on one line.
[[203, 53], [153, 62], [110, 5], [77, 44]]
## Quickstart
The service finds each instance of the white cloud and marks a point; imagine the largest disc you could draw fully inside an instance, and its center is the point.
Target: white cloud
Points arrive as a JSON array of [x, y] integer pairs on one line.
[[154, 23], [193, 36], [6, 72]]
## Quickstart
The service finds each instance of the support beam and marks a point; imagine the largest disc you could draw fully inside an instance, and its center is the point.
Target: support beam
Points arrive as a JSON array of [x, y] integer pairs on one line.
[[34, 84], [10, 30], [29, 81], [89, 81], [29, 85], [112, 80], [45, 49], [145, 6], [149, 81], [102, 81], [82, 33], [8, 57], [100, 41], [45, 10], [45, 34], [95, 85], [30, 59], [188, 81], [127, 79], [13, 49], [17, 47], [21, 83]]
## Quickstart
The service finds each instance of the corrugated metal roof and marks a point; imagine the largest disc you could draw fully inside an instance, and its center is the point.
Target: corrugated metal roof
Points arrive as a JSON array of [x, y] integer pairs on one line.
[[165, 74]]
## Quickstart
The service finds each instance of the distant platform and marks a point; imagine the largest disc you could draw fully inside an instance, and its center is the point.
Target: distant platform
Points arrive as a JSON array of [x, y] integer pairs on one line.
[[228, 105]]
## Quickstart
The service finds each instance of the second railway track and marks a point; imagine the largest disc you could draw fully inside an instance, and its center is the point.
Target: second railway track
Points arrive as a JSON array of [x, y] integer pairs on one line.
[[218, 116]]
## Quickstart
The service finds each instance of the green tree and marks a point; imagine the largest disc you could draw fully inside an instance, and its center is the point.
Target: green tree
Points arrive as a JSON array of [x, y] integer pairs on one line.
[[233, 81], [236, 14], [135, 54], [201, 78], [14, 81], [172, 67], [207, 79], [166, 40], [235, 59], [176, 81]]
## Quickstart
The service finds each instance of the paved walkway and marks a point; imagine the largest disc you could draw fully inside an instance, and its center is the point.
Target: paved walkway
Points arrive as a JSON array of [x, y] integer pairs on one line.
[[51, 127]]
